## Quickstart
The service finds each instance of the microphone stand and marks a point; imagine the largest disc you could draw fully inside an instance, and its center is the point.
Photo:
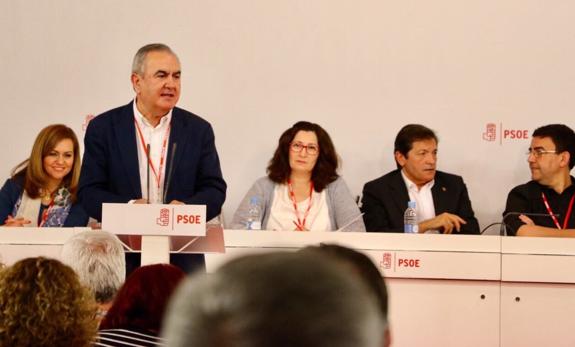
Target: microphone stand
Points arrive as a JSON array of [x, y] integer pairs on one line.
[[169, 175], [148, 173]]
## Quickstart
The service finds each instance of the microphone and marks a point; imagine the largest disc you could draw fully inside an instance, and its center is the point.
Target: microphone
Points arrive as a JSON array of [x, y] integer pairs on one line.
[[170, 169], [503, 224], [148, 173]]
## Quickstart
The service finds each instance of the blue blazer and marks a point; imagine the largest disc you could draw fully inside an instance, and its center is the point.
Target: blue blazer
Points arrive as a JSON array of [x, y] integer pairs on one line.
[[11, 192], [110, 171], [385, 200]]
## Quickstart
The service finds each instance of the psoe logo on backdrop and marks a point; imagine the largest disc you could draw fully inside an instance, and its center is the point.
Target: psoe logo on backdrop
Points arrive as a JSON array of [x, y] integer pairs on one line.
[[492, 132]]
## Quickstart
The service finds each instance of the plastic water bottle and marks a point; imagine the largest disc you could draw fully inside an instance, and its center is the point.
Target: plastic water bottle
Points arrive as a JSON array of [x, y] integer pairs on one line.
[[254, 214], [410, 219]]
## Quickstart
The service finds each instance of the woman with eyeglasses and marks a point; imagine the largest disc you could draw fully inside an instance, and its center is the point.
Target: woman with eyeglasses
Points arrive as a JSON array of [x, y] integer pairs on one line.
[[42, 189], [302, 190]]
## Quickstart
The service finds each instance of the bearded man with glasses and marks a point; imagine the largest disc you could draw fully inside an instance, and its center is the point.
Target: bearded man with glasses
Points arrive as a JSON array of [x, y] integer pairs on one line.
[[544, 205]]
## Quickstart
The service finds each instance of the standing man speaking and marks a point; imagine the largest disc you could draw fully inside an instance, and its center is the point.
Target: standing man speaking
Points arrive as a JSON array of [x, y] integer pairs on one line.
[[183, 164], [115, 163]]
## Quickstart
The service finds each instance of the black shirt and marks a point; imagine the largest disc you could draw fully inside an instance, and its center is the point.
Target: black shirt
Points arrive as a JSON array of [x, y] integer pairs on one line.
[[527, 198]]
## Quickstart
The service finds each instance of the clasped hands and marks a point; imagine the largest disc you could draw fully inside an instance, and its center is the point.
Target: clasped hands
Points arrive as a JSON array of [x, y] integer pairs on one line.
[[15, 222]]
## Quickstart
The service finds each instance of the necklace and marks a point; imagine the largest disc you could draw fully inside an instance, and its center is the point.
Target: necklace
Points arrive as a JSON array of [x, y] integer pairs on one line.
[[46, 196]]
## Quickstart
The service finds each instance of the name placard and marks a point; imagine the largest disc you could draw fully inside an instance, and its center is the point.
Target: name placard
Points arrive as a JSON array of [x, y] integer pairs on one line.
[[154, 219]]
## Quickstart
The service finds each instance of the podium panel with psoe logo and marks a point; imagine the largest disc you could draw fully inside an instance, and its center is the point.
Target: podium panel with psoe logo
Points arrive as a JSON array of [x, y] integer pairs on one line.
[[157, 230]]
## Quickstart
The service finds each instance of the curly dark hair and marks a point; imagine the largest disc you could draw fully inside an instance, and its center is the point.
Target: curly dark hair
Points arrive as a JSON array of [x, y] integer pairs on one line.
[[42, 303], [325, 169]]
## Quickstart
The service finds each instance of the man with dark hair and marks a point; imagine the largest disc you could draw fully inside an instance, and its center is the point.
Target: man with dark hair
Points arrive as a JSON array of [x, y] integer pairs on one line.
[[276, 299], [544, 205], [442, 201]]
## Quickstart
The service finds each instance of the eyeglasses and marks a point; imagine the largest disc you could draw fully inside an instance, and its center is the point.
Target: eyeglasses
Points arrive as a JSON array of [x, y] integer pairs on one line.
[[538, 152], [311, 149]]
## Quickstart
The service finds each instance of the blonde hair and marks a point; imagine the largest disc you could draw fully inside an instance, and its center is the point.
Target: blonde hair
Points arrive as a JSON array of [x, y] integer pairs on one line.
[[32, 169], [42, 303]]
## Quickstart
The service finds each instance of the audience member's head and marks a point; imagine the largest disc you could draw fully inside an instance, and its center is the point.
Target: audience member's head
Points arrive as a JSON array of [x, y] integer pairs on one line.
[[98, 258], [276, 299], [142, 300], [42, 303], [359, 264]]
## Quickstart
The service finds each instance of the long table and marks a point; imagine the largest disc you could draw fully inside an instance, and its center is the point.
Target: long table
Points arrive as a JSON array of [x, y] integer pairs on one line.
[[537, 291], [444, 290], [454, 290]]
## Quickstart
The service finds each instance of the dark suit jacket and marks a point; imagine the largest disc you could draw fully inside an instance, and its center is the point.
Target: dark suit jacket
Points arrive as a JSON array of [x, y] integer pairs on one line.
[[385, 200], [110, 171]]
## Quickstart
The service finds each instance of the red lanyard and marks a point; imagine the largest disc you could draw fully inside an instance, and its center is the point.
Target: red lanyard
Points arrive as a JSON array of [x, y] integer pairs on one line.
[[45, 213], [300, 224], [157, 174], [550, 211]]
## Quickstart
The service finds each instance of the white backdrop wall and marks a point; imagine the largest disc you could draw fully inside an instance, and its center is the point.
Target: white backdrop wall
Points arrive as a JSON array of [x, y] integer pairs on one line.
[[361, 69]]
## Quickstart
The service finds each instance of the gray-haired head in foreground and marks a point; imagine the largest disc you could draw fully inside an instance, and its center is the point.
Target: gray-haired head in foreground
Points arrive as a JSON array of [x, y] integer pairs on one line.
[[140, 58], [357, 264], [98, 259], [275, 299]]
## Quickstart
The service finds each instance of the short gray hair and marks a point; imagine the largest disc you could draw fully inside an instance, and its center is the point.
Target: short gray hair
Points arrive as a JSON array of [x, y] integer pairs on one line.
[[275, 299], [98, 258], [140, 57]]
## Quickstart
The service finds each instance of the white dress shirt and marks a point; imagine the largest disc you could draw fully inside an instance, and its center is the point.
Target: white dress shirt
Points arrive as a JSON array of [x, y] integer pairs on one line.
[[423, 200], [155, 137]]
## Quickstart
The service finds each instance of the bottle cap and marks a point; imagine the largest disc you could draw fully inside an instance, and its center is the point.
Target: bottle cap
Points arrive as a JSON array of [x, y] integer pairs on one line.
[[254, 200], [411, 204]]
